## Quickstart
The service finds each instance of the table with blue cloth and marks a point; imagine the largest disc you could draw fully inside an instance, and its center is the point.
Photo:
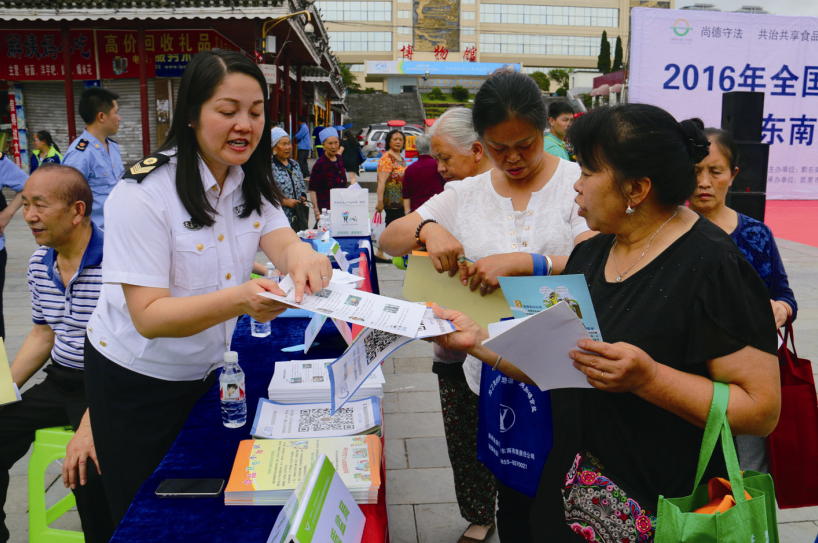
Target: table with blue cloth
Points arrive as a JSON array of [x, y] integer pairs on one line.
[[206, 449]]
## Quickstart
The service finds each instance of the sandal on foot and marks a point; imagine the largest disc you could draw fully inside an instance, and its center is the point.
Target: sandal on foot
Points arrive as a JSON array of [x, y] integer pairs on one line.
[[465, 539]]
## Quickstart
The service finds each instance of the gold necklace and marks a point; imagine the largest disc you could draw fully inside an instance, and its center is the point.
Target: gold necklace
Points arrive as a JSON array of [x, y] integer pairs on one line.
[[613, 250]]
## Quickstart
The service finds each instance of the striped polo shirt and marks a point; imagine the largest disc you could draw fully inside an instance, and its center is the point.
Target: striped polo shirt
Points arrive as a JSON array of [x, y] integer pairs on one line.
[[66, 310]]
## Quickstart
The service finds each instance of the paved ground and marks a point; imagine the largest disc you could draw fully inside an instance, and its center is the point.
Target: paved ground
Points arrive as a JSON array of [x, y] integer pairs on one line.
[[420, 491]]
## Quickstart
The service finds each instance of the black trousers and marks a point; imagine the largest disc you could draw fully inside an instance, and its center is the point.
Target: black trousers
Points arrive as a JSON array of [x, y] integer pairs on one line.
[[513, 510], [393, 215], [3, 258], [303, 155], [58, 401], [136, 419]]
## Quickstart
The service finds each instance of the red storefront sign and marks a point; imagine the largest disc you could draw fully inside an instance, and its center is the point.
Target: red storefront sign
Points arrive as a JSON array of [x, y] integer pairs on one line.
[[118, 52], [36, 55], [15, 136]]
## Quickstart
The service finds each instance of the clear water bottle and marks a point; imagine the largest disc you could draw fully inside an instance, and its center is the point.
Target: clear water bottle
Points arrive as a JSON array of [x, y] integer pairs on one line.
[[262, 329], [323, 225], [234, 401]]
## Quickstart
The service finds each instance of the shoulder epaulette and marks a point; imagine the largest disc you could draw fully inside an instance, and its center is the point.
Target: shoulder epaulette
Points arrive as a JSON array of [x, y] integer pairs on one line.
[[141, 169], [2, 156], [82, 145]]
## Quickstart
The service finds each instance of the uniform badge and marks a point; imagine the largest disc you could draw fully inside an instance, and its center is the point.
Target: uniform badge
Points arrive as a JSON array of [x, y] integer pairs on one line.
[[239, 209], [192, 224], [82, 145], [141, 169]]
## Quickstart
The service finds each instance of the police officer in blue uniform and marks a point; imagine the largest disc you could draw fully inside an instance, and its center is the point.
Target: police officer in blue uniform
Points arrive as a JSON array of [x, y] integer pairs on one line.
[[94, 153], [13, 177]]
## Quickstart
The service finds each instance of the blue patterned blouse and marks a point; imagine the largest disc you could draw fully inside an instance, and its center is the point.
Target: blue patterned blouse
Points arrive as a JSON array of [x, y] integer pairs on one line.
[[756, 242], [286, 177]]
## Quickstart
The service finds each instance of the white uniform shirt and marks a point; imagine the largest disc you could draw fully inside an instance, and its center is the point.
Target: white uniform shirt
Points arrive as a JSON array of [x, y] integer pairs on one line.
[[486, 224], [151, 241]]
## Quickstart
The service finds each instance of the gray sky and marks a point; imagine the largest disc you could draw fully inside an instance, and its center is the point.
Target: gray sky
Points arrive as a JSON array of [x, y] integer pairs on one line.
[[775, 7]]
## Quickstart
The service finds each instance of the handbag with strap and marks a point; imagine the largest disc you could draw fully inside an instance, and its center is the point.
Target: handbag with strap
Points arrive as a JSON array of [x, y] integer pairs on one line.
[[746, 521], [299, 220], [792, 448]]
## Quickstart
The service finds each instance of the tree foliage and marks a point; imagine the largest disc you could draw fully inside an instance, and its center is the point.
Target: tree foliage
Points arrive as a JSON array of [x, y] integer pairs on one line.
[[350, 81], [603, 63], [542, 81], [617, 61], [562, 77], [460, 93], [436, 94]]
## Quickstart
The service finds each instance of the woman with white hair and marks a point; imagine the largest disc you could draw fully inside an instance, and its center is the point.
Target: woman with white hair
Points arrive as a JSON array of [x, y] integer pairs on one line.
[[327, 172], [456, 147]]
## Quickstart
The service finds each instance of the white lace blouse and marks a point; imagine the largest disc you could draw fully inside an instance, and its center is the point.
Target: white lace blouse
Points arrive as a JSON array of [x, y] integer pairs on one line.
[[486, 223]]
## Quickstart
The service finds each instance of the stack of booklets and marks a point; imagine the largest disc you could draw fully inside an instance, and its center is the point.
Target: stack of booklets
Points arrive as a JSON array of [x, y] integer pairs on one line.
[[307, 381], [309, 420], [267, 471]]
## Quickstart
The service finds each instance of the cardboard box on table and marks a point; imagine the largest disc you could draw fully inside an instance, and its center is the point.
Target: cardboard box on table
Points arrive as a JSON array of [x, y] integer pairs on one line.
[[350, 212]]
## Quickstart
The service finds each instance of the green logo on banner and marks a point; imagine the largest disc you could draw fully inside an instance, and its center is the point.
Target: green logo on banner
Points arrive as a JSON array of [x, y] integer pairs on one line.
[[681, 27]]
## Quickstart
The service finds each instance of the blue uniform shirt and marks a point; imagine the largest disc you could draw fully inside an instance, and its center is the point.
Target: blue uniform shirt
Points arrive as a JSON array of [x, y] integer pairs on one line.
[[101, 168], [12, 177], [303, 138]]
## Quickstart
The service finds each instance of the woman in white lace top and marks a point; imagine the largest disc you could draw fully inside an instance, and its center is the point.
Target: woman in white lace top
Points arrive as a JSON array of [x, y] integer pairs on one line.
[[505, 220]]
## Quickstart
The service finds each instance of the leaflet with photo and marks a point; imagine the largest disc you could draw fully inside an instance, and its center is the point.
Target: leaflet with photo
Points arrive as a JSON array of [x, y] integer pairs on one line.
[[369, 350], [356, 307], [527, 296]]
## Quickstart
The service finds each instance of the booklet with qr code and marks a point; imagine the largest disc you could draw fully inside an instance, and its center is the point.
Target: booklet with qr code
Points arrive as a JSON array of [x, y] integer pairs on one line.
[[321, 509], [308, 420], [267, 471]]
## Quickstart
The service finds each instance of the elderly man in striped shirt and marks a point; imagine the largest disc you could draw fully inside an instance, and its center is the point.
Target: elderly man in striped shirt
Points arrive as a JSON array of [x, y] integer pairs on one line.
[[64, 276]]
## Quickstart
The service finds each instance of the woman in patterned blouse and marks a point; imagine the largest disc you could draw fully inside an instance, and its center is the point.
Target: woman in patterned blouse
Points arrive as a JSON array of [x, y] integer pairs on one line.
[[714, 176], [287, 173]]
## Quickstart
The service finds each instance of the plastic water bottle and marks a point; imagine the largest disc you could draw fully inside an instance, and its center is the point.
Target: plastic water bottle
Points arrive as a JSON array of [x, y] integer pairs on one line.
[[234, 401], [322, 221], [263, 329]]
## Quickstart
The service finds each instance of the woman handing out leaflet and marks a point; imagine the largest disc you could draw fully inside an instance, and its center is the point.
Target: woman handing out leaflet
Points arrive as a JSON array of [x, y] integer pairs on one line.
[[183, 230]]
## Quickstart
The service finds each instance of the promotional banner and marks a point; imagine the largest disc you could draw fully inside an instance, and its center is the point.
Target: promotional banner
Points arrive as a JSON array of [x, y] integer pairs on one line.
[[683, 61], [36, 55]]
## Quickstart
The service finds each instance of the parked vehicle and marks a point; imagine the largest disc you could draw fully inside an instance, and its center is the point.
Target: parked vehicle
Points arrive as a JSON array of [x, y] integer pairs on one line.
[[376, 133]]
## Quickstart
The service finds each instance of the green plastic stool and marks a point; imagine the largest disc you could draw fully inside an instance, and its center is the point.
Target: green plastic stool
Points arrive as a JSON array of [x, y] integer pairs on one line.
[[49, 445]]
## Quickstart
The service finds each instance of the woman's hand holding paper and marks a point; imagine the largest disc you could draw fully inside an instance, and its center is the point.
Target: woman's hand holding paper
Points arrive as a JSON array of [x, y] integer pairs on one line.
[[261, 308], [443, 249], [618, 367], [485, 272], [309, 270], [469, 334]]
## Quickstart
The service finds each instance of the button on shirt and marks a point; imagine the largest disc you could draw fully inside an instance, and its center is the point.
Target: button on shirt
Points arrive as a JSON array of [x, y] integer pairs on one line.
[[66, 309], [101, 168], [12, 177], [151, 241]]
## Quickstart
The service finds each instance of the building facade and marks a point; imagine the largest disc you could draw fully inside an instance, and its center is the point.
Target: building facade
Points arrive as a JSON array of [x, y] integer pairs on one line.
[[539, 35]]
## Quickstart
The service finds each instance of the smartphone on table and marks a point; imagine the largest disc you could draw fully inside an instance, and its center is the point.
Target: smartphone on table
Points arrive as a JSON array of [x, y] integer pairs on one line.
[[190, 488]]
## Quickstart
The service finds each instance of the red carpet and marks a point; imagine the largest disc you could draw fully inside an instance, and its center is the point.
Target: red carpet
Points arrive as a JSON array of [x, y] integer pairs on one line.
[[794, 220]]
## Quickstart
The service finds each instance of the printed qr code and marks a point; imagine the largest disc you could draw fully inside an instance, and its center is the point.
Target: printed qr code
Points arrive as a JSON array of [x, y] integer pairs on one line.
[[376, 342], [320, 420]]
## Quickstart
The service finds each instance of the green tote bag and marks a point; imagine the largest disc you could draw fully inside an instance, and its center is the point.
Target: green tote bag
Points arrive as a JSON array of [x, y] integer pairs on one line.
[[749, 521]]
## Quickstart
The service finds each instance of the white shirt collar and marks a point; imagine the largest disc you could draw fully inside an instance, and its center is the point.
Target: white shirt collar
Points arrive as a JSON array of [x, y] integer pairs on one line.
[[235, 176]]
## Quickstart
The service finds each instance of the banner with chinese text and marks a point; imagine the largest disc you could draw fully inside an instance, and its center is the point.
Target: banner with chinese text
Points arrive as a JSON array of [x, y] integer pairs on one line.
[[683, 61], [167, 51], [36, 55]]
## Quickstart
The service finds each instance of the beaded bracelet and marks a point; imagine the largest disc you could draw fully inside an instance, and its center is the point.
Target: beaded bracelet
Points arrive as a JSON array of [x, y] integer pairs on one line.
[[417, 232]]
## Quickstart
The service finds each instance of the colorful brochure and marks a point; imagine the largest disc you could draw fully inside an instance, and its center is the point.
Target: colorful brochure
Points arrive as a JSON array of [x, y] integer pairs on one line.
[[321, 509], [267, 471], [529, 295]]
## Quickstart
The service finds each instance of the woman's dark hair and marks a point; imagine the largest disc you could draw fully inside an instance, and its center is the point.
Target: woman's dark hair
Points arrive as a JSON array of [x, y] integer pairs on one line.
[[640, 140], [45, 136], [507, 94], [350, 138], [388, 139], [726, 144], [202, 77]]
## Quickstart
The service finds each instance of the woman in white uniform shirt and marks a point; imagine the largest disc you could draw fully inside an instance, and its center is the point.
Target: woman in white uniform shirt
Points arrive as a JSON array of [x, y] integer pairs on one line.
[[183, 230]]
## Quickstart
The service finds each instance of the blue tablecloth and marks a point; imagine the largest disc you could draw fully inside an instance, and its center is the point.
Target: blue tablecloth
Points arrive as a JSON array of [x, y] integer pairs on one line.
[[206, 449]]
